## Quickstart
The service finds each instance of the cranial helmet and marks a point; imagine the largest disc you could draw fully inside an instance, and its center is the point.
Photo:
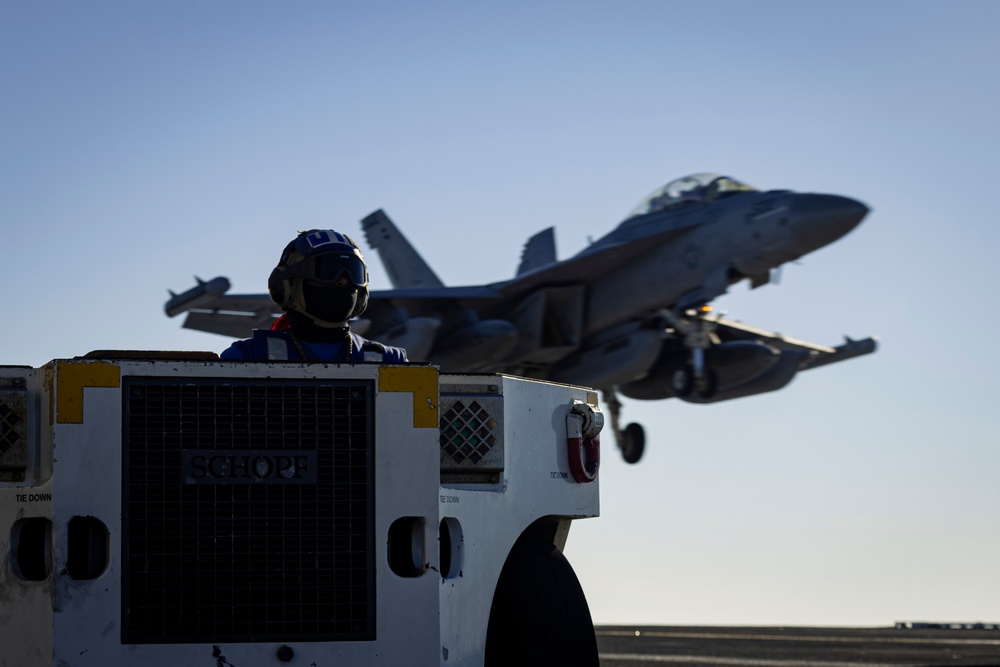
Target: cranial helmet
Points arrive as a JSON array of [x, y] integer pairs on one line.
[[314, 262]]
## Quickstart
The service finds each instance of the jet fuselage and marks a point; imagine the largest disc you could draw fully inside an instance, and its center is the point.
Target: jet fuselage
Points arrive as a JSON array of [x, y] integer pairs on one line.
[[745, 235]]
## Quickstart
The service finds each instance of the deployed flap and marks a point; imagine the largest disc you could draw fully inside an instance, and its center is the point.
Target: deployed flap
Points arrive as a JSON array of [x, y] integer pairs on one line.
[[406, 268], [539, 251]]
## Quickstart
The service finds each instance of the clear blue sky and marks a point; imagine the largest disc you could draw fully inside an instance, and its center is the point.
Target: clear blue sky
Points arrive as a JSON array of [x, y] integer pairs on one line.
[[144, 143]]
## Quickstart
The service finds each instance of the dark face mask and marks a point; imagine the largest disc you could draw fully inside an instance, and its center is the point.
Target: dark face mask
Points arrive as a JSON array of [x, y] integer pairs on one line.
[[328, 303]]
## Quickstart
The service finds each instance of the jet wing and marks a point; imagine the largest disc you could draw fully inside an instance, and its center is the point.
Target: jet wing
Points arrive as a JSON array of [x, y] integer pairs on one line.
[[383, 305], [466, 296], [815, 355], [236, 325], [235, 315], [242, 303]]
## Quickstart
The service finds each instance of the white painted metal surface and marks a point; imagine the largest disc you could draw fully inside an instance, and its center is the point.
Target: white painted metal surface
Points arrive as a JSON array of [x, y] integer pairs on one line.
[[438, 617]]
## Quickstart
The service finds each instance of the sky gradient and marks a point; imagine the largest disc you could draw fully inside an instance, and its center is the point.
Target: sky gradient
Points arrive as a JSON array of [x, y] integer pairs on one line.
[[144, 143]]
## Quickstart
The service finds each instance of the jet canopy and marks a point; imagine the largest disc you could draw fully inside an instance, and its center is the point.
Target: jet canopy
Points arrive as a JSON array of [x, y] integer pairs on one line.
[[705, 188]]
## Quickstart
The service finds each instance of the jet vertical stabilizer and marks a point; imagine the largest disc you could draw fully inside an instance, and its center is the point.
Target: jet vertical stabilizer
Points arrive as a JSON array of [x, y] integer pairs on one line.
[[539, 251], [406, 268]]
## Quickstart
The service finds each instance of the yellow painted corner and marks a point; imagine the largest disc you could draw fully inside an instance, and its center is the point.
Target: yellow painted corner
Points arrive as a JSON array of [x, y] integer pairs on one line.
[[422, 382], [71, 378]]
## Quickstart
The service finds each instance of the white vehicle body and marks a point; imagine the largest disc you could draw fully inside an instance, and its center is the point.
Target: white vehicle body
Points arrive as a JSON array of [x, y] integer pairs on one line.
[[193, 511]]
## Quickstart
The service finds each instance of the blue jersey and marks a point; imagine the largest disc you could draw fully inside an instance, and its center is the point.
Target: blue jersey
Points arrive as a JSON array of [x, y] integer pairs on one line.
[[268, 345]]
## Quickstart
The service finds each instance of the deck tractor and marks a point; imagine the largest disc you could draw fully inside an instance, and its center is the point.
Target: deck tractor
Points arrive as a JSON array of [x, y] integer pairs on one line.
[[162, 508]]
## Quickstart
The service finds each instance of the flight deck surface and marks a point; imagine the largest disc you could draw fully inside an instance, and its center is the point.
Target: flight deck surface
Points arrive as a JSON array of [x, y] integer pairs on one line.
[[643, 646]]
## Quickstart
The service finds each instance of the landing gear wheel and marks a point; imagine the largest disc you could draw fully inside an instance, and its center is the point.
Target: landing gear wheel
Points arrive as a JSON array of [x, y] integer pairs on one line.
[[633, 443], [707, 384], [682, 381], [539, 615]]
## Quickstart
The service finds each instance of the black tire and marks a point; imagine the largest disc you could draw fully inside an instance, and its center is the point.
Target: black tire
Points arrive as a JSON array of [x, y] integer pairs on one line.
[[539, 615], [709, 384], [682, 381], [633, 443]]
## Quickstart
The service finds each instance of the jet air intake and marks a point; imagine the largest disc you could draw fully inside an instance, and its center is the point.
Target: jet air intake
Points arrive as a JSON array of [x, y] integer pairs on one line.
[[475, 346]]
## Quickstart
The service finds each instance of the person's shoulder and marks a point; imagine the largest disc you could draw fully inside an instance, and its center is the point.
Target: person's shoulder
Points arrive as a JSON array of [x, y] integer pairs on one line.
[[394, 355], [241, 349], [379, 352], [248, 348]]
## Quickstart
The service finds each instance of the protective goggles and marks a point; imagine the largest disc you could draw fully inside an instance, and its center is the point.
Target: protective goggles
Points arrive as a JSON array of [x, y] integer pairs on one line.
[[328, 267]]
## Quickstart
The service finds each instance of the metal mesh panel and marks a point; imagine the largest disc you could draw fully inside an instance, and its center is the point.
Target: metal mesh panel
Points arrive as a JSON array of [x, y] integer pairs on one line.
[[9, 421], [467, 432], [225, 540], [13, 434], [471, 428]]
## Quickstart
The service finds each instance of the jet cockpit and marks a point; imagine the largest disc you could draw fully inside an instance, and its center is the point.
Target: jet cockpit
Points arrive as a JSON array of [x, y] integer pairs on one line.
[[703, 188]]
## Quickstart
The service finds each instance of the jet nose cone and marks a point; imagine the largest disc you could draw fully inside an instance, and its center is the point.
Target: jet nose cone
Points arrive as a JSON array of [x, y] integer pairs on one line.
[[822, 219]]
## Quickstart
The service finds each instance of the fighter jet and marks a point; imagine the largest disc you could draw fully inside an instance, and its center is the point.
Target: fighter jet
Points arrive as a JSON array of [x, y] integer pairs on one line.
[[628, 315]]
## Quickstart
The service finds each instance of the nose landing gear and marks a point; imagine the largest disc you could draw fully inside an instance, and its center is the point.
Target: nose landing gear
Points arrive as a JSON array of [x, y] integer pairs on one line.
[[697, 334]]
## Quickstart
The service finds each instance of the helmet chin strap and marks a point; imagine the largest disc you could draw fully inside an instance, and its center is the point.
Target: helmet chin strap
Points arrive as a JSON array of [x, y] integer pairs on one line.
[[330, 325], [323, 323], [309, 328]]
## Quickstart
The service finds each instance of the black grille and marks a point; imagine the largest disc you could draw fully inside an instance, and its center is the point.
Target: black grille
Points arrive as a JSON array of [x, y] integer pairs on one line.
[[8, 428], [248, 557]]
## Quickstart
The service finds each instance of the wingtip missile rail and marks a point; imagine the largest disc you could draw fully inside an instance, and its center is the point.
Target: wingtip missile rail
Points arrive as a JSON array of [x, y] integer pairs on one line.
[[201, 294]]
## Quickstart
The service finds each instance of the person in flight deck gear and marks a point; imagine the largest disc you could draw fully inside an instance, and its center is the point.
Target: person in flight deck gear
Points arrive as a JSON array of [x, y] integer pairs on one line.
[[321, 282]]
